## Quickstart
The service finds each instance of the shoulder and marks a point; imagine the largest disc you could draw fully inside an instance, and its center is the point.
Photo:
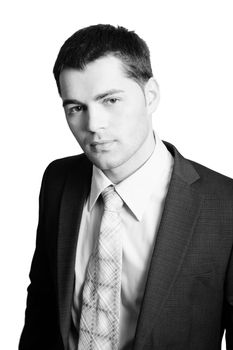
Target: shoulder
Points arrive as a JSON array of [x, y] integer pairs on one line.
[[202, 179], [66, 164], [213, 182], [58, 170]]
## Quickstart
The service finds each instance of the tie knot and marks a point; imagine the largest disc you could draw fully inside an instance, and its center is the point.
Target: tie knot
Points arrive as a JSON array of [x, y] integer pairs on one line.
[[112, 201]]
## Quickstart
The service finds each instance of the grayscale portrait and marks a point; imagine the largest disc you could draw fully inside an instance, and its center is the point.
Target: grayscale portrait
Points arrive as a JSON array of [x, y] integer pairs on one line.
[[134, 239]]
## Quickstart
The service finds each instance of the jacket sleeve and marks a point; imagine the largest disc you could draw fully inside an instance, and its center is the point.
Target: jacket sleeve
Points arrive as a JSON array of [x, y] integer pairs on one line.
[[41, 322], [228, 312]]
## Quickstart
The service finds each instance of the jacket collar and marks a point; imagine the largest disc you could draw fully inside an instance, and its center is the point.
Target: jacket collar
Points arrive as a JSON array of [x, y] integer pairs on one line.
[[183, 168]]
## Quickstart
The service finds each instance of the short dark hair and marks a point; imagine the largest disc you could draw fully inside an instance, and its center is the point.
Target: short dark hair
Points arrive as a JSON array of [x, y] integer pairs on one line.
[[93, 42]]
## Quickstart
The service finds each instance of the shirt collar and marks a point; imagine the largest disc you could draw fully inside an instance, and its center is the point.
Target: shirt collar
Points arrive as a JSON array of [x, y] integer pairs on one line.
[[98, 183], [135, 190]]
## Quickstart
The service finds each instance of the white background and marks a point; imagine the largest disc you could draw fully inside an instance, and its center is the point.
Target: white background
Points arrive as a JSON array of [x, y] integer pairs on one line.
[[192, 58]]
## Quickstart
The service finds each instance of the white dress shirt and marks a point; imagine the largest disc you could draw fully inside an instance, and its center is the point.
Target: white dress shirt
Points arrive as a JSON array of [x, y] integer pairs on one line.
[[144, 194]]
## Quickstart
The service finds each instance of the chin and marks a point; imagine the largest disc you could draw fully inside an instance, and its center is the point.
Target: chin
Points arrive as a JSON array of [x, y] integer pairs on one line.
[[105, 164]]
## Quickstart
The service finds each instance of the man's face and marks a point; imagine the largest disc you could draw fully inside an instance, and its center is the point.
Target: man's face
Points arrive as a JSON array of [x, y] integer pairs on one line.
[[107, 113]]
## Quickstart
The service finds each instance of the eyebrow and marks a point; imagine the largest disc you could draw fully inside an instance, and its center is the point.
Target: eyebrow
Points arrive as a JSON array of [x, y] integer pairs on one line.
[[96, 98]]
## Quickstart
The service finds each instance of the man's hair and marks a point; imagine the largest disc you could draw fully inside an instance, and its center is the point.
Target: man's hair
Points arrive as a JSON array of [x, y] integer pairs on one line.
[[96, 41]]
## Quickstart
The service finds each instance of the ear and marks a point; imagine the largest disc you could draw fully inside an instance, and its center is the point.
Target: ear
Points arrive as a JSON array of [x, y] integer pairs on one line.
[[152, 95]]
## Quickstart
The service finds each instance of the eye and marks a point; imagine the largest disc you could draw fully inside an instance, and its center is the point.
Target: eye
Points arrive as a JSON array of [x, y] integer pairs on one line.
[[75, 109], [111, 100]]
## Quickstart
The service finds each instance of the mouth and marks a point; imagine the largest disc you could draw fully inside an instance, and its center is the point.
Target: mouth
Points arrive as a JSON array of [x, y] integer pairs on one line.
[[103, 145]]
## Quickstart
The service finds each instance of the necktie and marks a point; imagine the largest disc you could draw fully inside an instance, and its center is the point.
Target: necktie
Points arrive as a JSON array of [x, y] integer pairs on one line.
[[99, 322]]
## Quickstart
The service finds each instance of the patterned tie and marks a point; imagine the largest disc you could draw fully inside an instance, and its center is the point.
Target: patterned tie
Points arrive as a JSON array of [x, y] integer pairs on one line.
[[99, 323]]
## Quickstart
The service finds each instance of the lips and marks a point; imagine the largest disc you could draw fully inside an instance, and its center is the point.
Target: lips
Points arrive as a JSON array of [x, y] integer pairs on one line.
[[101, 142], [103, 145]]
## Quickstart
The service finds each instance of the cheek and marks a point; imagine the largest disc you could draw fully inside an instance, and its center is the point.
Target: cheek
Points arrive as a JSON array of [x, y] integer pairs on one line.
[[136, 119], [76, 128]]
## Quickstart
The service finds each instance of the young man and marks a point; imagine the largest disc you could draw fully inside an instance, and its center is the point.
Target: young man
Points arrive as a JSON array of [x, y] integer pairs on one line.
[[134, 242]]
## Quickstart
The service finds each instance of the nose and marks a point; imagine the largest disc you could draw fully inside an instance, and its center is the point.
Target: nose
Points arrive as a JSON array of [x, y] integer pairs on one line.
[[96, 119]]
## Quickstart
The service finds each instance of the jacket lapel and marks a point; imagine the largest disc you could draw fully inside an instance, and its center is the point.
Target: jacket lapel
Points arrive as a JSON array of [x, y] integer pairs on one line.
[[182, 206], [75, 192]]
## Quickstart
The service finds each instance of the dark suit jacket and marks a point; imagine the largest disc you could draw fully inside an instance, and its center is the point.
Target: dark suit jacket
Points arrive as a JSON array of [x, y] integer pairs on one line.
[[188, 300]]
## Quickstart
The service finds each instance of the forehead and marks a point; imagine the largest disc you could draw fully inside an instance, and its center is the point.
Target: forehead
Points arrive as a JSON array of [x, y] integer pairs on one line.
[[102, 74]]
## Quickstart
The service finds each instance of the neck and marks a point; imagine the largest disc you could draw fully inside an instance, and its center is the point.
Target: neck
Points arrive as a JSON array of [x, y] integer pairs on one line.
[[123, 171]]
